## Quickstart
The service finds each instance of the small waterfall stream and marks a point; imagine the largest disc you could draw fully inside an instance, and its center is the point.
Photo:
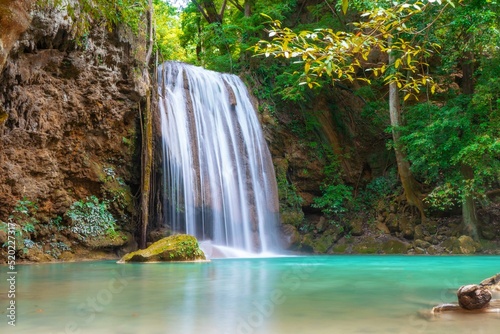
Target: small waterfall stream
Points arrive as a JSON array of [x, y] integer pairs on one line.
[[219, 181]]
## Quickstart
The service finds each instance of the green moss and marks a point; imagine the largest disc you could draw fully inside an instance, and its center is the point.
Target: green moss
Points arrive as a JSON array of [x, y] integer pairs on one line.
[[322, 244], [381, 246], [179, 247], [394, 247], [339, 248]]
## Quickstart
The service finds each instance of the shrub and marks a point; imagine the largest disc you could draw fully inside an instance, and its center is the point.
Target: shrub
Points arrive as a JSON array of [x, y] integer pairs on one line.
[[91, 218]]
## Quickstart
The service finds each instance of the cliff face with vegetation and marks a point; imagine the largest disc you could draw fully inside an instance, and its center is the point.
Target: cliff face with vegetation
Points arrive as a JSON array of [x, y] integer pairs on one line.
[[70, 106], [71, 97]]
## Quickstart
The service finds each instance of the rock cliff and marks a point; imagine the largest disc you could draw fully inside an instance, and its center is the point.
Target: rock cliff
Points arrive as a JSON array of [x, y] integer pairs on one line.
[[70, 107]]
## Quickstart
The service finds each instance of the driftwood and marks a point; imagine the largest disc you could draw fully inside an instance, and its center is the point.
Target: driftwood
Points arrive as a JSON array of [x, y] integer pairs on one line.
[[475, 298], [493, 283]]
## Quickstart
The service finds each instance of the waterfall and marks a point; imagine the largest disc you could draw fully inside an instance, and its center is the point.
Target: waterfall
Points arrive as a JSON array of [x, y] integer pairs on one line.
[[219, 182]]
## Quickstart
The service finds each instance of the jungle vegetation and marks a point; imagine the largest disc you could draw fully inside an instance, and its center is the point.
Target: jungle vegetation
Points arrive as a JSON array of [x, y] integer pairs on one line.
[[427, 70]]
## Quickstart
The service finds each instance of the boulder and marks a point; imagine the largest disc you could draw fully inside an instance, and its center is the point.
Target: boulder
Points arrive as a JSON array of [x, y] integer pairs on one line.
[[462, 245], [357, 227], [180, 247]]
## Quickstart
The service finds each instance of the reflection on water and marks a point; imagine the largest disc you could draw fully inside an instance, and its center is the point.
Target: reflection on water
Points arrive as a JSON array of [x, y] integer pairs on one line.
[[327, 294]]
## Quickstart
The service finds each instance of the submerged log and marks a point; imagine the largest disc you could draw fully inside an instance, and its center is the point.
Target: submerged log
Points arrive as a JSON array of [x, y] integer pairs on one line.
[[473, 297], [492, 307]]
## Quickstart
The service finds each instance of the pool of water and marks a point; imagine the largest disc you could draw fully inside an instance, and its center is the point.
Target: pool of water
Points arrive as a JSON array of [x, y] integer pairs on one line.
[[316, 294]]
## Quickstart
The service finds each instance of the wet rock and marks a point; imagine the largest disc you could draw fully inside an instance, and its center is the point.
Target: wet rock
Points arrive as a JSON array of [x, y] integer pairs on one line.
[[383, 228], [290, 236], [307, 243], [322, 244], [419, 250], [419, 232], [180, 247], [292, 217], [392, 222], [473, 297], [381, 245], [433, 250], [467, 245], [421, 243], [357, 227], [406, 227], [462, 245], [159, 233], [394, 246]]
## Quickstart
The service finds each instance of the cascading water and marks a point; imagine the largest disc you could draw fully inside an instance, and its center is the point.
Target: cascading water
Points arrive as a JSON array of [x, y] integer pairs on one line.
[[219, 181]]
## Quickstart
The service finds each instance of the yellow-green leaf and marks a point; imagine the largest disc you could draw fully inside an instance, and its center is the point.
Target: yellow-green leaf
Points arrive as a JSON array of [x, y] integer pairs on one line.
[[345, 4]]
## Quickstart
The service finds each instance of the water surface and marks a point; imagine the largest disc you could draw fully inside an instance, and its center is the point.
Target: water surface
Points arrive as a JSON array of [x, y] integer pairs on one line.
[[321, 294]]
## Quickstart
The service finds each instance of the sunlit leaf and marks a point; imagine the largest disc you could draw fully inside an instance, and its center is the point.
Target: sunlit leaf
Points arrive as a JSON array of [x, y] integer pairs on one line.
[[345, 4]]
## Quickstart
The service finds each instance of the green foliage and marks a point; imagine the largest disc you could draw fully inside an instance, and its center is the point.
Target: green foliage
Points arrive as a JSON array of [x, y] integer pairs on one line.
[[24, 215], [187, 249], [91, 218], [443, 197], [378, 189], [86, 13], [342, 54], [443, 139], [334, 200], [168, 32]]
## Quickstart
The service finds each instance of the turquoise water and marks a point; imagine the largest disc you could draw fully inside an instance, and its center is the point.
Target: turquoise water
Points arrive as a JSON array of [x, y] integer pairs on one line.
[[321, 294]]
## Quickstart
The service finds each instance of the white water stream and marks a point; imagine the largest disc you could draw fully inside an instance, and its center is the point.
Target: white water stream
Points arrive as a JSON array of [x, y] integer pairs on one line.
[[219, 181]]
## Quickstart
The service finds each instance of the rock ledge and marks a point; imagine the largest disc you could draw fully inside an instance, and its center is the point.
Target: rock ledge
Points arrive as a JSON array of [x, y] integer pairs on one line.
[[180, 247]]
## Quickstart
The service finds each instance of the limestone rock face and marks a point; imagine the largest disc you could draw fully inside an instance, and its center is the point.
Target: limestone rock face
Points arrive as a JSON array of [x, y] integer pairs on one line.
[[180, 247], [14, 20], [69, 108]]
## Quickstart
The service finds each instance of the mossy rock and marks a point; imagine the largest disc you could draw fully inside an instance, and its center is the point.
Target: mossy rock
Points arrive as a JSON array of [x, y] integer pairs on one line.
[[292, 217], [116, 240], [366, 246], [381, 246], [462, 245], [179, 247], [394, 247], [339, 248], [321, 245]]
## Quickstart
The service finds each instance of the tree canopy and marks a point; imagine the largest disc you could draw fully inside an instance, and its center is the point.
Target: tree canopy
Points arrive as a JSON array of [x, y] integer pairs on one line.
[[431, 65]]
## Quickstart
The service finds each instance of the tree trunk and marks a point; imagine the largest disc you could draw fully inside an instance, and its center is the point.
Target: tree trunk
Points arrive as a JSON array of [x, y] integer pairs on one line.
[[248, 7], [147, 137], [469, 217], [410, 187]]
